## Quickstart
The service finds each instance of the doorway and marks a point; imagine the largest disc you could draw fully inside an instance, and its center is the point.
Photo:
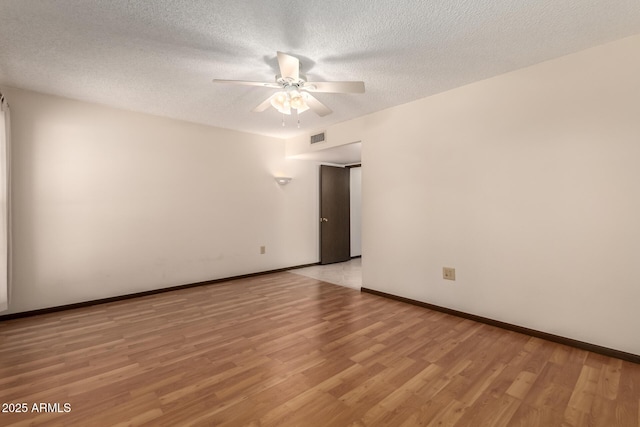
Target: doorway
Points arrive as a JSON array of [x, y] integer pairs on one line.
[[345, 157]]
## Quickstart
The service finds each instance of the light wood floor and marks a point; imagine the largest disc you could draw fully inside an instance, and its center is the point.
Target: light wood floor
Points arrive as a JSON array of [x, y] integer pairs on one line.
[[288, 350]]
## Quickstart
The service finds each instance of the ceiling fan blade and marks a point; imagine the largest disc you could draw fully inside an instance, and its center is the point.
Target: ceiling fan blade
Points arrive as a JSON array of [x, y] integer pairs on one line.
[[289, 66], [263, 105], [316, 106], [335, 87], [247, 83]]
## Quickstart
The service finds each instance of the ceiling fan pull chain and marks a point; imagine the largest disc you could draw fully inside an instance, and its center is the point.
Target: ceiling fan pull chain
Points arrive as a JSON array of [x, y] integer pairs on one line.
[[298, 117], [282, 119]]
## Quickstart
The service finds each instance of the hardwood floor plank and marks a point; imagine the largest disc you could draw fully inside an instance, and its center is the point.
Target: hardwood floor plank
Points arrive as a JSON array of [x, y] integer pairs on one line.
[[286, 350], [492, 411], [609, 381], [527, 416], [584, 391], [521, 385]]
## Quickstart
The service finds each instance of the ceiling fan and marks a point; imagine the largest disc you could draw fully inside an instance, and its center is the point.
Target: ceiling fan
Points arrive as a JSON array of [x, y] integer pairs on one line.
[[294, 93]]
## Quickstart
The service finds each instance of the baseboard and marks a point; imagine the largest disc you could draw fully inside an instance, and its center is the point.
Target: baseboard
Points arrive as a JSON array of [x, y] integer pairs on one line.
[[629, 357], [142, 294]]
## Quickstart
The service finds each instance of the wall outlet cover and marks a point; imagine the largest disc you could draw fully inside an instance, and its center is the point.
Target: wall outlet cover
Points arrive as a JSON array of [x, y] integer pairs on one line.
[[448, 273]]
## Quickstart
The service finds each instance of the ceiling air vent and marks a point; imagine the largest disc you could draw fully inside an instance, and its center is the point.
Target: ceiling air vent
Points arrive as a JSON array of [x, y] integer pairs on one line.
[[317, 138]]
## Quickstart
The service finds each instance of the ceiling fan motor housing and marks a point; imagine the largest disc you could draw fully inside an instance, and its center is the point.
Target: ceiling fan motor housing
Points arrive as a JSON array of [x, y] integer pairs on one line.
[[290, 81]]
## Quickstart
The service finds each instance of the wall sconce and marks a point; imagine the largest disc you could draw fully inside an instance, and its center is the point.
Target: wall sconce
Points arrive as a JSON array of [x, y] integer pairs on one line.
[[282, 180]]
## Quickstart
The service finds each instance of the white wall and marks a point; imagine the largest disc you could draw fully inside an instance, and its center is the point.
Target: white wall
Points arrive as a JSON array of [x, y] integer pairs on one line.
[[355, 193], [109, 202], [527, 184], [340, 134]]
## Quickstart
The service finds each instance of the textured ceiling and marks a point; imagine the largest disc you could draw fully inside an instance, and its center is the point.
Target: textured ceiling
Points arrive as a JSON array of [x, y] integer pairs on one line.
[[160, 56]]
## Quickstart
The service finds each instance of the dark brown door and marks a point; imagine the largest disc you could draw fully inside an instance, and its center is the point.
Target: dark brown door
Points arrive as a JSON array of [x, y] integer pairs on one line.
[[335, 239]]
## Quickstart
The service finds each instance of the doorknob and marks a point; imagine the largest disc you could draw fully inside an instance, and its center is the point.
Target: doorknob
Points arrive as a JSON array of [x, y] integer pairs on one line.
[[324, 220]]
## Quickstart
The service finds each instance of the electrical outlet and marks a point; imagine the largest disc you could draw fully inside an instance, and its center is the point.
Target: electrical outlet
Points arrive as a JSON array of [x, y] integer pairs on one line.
[[263, 250], [448, 273]]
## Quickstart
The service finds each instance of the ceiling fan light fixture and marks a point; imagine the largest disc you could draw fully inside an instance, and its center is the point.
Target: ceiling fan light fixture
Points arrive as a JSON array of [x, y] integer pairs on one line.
[[302, 108], [285, 109], [280, 101], [297, 101]]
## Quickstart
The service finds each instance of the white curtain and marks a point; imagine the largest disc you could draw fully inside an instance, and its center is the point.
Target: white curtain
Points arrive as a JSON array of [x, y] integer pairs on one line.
[[5, 229]]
